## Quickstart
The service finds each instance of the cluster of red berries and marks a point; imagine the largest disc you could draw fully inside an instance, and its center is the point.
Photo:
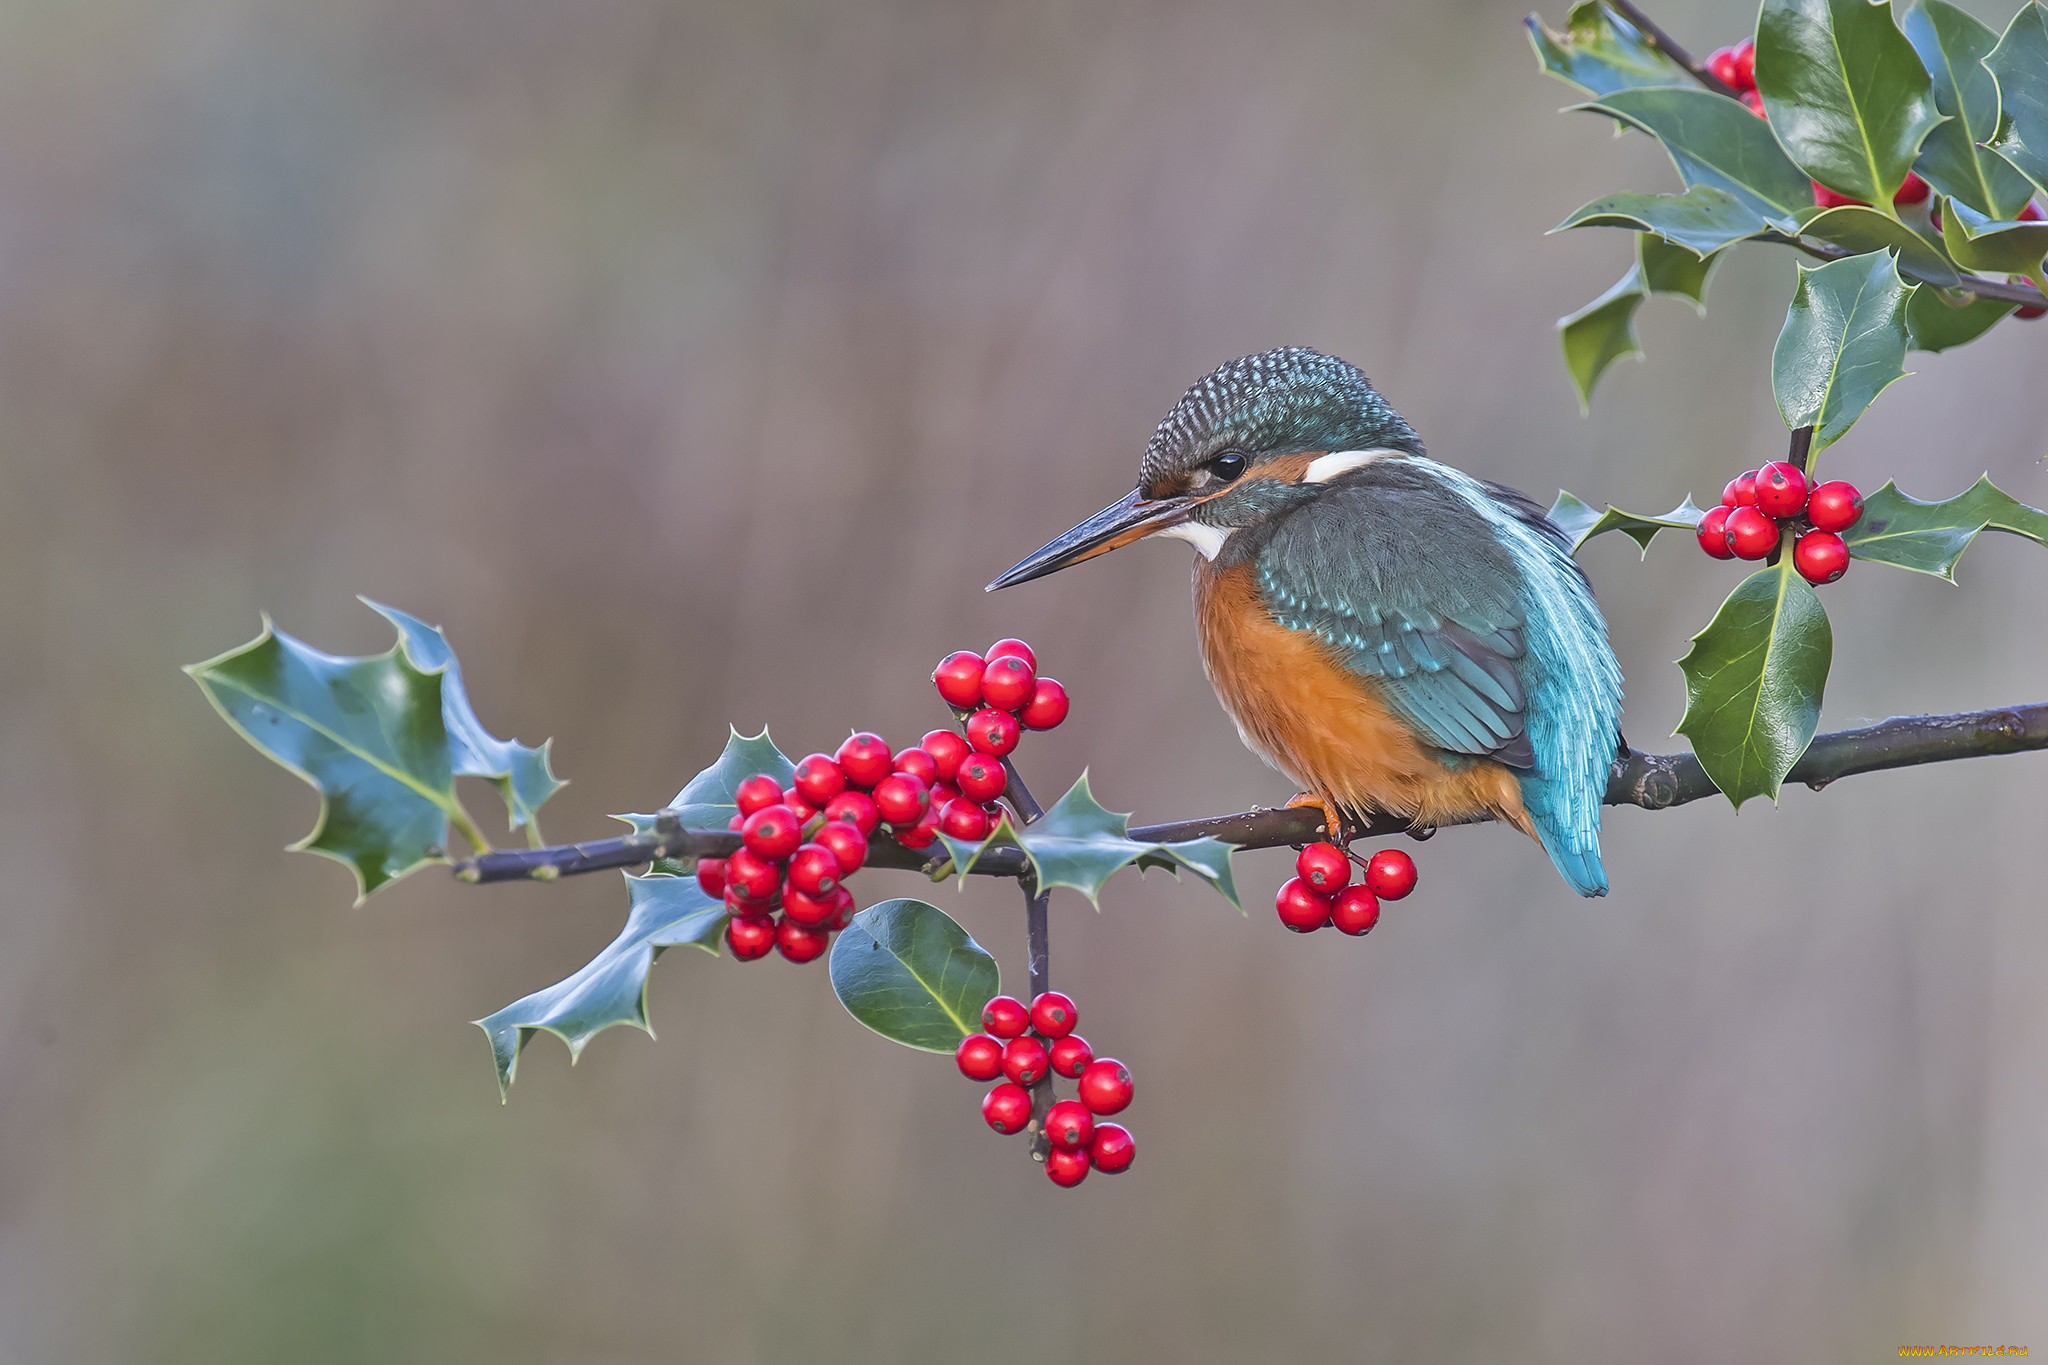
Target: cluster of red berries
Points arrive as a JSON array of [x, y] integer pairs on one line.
[[785, 885], [1747, 524], [1321, 891], [1027, 1047]]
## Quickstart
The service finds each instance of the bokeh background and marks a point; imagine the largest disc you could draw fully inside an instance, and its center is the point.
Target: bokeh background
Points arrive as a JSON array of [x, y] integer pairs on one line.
[[696, 363]]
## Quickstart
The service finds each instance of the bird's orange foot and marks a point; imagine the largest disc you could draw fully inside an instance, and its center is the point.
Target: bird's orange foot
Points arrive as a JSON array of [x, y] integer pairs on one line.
[[1333, 822]]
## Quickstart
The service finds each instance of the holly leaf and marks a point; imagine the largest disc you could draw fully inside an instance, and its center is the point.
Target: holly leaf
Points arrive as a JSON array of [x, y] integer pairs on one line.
[[1208, 859], [1077, 843], [2020, 62], [1580, 521], [710, 799], [908, 971], [1989, 246], [1934, 322], [1601, 52], [1716, 142], [519, 772], [1864, 230], [369, 733], [1952, 45], [1675, 271], [1703, 219], [1929, 537], [1753, 682], [611, 988], [1601, 333], [967, 852], [1844, 343], [1845, 93]]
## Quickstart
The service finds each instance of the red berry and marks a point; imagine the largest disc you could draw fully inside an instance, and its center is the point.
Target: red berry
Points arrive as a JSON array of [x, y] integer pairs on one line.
[[1713, 533], [801, 942], [1913, 191], [843, 909], [902, 799], [918, 764], [1016, 647], [979, 1057], [736, 822], [1741, 490], [981, 778], [1325, 867], [963, 819], [1007, 1108], [812, 912], [1302, 908], [1781, 490], [818, 779], [2031, 213], [865, 758], [1069, 1126], [848, 846], [1820, 557], [1751, 534], [958, 678], [1834, 506], [1934, 217], [1066, 1169], [1025, 1060], [1390, 873], [750, 938], [1105, 1085], [740, 907], [711, 876], [1053, 1015], [1112, 1149], [856, 809], [947, 749], [752, 875], [992, 732], [1070, 1055], [2026, 312], [1723, 65], [943, 792], [1007, 684], [1355, 910], [772, 833], [1005, 1016], [1047, 707], [1754, 103], [814, 870], [757, 793], [1828, 199], [793, 802], [1745, 65], [923, 834]]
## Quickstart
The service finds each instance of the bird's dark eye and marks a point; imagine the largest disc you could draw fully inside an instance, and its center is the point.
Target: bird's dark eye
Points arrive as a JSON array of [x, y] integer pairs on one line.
[[1227, 467]]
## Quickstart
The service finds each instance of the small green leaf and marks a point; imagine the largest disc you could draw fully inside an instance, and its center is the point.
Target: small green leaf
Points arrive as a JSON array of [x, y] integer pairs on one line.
[[1716, 142], [1753, 682], [1934, 323], [709, 801], [1953, 45], [1992, 247], [1929, 537], [1580, 521], [1600, 52], [967, 852], [1601, 333], [1703, 218], [611, 988], [1844, 343], [1208, 859], [1079, 844], [1675, 271], [2020, 62], [906, 970], [1845, 93], [1863, 230]]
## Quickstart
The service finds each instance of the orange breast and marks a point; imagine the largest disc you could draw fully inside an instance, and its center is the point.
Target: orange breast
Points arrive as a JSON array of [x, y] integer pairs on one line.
[[1324, 726]]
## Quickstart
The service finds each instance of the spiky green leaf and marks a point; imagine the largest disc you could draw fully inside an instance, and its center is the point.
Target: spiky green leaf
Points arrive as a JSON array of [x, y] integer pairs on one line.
[[1600, 52], [610, 989], [1715, 142], [1843, 343], [1953, 45], [1936, 320], [1581, 521], [1703, 219], [709, 800], [1753, 682], [1601, 333], [1675, 271], [1929, 537], [1989, 246], [1863, 229], [908, 971], [2020, 62]]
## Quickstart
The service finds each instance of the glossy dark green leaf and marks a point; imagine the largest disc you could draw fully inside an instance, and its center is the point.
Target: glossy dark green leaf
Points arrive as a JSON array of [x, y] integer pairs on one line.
[[1992, 247], [1716, 142], [1079, 844], [908, 971], [1863, 230], [1929, 537], [1753, 682], [1601, 333], [1934, 323], [1675, 271], [611, 988], [368, 733], [1845, 92], [1208, 859], [1704, 219], [1581, 521], [1600, 52], [709, 800], [967, 852], [1843, 343], [519, 772], [2020, 62], [1952, 45]]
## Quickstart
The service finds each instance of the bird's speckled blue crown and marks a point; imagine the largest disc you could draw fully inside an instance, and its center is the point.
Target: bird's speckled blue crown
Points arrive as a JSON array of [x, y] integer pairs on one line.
[[1293, 398]]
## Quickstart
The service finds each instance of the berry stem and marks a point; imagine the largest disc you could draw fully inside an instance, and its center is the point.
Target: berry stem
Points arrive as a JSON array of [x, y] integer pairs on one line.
[[1801, 453]]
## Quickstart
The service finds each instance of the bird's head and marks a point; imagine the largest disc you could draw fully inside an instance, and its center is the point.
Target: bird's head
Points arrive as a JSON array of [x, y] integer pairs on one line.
[[1252, 440]]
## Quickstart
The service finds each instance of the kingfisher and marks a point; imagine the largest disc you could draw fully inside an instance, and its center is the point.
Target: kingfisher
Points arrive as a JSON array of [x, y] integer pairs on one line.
[[1391, 633]]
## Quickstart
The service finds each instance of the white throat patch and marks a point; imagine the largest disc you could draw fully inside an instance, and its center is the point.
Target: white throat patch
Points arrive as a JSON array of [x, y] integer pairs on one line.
[[1324, 468], [1208, 539]]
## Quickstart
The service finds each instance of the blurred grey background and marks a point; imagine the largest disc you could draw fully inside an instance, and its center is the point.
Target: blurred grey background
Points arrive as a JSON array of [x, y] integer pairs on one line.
[[699, 362]]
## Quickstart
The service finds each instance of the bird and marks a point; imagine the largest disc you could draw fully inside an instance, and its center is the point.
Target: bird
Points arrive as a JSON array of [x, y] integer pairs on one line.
[[1393, 634]]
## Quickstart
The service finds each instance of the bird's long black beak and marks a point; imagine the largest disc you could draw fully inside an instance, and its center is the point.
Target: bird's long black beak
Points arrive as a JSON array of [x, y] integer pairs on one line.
[[1132, 517]]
